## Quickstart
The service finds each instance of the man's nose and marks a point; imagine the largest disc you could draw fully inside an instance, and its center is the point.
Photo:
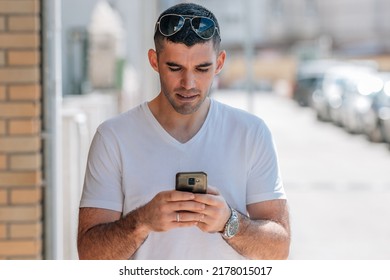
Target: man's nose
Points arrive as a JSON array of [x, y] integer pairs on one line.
[[188, 80]]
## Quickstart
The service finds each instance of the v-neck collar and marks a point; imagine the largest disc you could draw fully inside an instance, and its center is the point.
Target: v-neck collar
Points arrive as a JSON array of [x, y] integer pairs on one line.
[[168, 137]]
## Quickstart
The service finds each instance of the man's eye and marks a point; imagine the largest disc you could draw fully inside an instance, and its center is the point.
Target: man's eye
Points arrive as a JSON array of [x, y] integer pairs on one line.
[[203, 70], [174, 69]]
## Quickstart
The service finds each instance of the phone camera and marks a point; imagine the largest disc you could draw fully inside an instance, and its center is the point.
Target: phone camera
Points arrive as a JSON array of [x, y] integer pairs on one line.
[[191, 181]]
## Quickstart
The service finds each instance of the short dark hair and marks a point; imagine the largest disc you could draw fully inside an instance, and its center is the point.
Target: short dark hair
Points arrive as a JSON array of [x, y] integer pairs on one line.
[[186, 35]]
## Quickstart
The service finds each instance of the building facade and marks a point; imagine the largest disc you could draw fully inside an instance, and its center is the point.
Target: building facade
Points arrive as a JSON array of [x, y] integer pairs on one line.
[[21, 171]]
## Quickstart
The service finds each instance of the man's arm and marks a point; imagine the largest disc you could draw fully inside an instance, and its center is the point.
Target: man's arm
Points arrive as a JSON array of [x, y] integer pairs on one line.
[[264, 235], [104, 234]]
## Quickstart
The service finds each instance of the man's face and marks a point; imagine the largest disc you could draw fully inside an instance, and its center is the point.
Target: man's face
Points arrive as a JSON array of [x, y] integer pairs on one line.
[[187, 73]]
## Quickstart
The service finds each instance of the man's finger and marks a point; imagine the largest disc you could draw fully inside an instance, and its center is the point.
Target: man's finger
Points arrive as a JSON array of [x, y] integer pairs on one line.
[[212, 190], [178, 196]]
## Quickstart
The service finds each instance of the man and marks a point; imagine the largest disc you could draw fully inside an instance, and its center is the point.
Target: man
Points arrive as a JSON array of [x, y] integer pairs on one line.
[[130, 208]]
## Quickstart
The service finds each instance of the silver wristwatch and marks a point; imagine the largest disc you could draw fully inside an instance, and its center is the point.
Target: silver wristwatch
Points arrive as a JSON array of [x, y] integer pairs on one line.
[[232, 225]]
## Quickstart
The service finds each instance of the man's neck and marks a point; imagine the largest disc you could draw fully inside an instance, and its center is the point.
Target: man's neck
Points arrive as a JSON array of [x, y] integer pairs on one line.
[[179, 126]]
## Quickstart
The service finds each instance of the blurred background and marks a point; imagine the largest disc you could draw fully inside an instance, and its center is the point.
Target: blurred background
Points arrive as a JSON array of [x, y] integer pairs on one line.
[[318, 73]]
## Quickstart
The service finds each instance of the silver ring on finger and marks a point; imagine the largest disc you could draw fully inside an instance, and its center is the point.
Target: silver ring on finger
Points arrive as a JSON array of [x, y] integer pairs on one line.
[[178, 217]]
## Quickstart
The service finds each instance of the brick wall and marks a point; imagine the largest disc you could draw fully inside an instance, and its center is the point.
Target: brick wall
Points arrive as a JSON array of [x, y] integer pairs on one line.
[[20, 128]]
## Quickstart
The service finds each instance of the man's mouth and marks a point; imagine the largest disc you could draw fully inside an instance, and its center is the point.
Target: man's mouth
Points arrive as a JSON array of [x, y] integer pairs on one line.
[[187, 97]]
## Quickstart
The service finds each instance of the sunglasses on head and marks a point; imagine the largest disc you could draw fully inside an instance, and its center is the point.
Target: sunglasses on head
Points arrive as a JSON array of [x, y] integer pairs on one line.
[[171, 23]]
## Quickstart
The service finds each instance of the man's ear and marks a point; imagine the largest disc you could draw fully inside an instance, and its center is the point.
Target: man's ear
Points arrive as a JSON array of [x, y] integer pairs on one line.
[[220, 61], [152, 55]]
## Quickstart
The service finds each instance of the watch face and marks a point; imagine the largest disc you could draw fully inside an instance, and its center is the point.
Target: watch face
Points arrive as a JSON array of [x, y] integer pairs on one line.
[[232, 225], [232, 228]]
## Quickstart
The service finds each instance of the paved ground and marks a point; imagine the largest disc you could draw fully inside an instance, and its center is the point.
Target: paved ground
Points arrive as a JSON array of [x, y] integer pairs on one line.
[[338, 184]]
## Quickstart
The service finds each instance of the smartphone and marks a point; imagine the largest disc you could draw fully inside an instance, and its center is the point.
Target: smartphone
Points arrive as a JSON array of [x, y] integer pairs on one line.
[[195, 182]]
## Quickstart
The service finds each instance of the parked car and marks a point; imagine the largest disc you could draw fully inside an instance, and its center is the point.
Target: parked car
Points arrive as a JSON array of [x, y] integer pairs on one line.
[[384, 112], [358, 99], [329, 96], [377, 118], [309, 74]]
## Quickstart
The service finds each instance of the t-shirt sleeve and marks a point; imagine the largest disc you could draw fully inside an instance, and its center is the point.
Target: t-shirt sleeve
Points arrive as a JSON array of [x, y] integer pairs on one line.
[[102, 182], [264, 178]]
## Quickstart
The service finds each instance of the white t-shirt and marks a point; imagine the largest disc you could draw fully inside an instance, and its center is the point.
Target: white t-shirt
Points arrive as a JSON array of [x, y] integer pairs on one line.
[[132, 158]]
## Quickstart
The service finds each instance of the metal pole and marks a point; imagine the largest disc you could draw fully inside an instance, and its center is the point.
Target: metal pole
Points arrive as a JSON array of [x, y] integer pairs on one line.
[[52, 99], [249, 54], [149, 78]]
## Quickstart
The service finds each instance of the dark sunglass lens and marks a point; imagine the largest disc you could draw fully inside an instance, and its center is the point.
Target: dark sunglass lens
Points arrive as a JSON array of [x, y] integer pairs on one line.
[[204, 27], [170, 24]]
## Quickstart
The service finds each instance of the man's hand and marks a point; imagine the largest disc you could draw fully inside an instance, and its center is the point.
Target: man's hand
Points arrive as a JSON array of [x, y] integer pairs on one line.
[[105, 234], [172, 209], [216, 211]]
